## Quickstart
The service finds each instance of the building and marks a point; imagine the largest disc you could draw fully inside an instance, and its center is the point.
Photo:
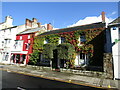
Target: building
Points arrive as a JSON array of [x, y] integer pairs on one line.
[[8, 23], [22, 48], [8, 36], [113, 43], [87, 42]]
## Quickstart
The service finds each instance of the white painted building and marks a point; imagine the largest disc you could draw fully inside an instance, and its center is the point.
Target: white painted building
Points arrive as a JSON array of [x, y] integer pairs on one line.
[[8, 34], [8, 23], [114, 28]]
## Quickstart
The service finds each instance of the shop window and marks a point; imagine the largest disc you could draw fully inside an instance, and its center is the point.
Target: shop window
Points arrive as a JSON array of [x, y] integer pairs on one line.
[[17, 58], [22, 59]]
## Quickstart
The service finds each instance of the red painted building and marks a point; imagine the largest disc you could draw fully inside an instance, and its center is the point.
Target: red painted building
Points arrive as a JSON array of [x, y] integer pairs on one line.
[[23, 45]]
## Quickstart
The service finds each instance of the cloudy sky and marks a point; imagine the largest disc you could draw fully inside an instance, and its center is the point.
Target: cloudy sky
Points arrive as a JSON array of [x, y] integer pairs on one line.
[[60, 14]]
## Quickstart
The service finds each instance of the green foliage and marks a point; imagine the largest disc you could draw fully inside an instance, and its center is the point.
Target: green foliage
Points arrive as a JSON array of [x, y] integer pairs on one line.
[[53, 38], [65, 51], [48, 50], [38, 43], [34, 57]]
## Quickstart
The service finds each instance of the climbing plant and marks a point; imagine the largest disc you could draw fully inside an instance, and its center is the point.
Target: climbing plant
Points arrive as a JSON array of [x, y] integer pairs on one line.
[[53, 38], [71, 38], [38, 43], [34, 57], [66, 51], [48, 50]]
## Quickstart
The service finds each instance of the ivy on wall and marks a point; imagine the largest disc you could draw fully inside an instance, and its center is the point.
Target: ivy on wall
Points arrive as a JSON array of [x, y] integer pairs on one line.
[[48, 50], [53, 38], [34, 57], [38, 44], [71, 38], [65, 51]]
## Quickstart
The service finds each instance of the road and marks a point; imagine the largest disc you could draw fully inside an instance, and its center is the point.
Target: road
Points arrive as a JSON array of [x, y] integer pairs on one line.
[[15, 80]]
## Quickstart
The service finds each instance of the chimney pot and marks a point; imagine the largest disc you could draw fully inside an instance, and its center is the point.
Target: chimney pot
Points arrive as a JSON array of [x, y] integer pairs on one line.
[[49, 26], [28, 23], [103, 16], [39, 24], [34, 20]]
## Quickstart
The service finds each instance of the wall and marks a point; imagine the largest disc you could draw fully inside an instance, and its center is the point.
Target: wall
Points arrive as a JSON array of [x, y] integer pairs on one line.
[[116, 60], [108, 65], [8, 23], [98, 45], [114, 34], [8, 35]]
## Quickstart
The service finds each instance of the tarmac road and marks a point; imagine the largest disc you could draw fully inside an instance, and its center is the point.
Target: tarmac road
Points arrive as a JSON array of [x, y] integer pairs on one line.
[[12, 80]]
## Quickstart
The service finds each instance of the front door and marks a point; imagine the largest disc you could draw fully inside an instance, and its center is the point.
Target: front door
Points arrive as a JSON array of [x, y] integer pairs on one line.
[[55, 59]]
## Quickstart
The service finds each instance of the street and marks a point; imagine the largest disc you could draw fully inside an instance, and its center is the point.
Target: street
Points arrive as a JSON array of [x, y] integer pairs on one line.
[[21, 82]]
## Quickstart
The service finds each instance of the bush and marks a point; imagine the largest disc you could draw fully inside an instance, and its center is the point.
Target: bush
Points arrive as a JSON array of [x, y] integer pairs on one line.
[[48, 50]]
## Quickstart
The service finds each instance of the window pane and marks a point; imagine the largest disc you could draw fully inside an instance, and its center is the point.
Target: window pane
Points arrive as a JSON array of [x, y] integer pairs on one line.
[[82, 38], [62, 39]]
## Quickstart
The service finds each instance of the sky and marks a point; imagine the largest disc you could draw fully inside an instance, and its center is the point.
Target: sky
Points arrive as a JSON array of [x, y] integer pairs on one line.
[[59, 14]]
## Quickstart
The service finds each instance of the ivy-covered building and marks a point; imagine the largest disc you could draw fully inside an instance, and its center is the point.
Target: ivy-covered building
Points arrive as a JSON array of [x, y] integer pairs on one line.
[[78, 46]]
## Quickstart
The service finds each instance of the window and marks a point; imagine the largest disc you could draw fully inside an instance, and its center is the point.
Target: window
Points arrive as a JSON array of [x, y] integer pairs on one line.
[[114, 28], [46, 41], [18, 44], [82, 56], [6, 56], [15, 45], [20, 37], [2, 43], [82, 38], [27, 46], [63, 40], [28, 36]]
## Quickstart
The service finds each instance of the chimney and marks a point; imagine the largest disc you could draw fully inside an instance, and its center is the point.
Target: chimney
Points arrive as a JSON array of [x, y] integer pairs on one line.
[[49, 26], [103, 16], [39, 24], [28, 23], [34, 20]]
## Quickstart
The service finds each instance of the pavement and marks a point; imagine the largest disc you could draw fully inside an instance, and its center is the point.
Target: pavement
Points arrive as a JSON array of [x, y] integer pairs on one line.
[[48, 73]]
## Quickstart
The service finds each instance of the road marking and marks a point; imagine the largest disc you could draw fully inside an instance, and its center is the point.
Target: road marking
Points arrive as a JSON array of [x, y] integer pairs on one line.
[[42, 76], [20, 88]]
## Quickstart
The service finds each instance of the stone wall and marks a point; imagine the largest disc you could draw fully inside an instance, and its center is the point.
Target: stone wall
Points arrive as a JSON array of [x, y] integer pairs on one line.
[[108, 65]]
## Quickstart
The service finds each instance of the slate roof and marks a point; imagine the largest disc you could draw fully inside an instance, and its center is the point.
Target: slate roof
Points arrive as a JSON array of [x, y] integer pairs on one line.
[[83, 27], [117, 20], [33, 30]]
